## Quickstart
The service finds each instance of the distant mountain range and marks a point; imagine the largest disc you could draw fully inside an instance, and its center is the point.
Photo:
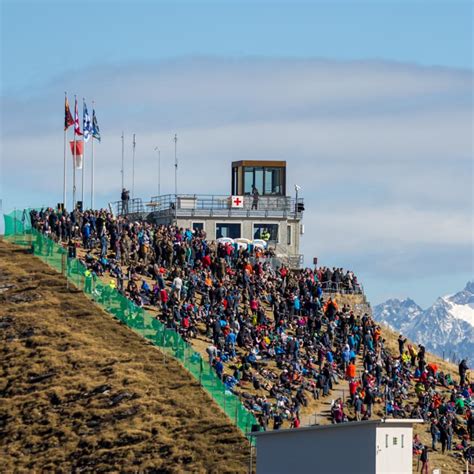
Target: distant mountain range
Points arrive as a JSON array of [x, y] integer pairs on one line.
[[445, 328]]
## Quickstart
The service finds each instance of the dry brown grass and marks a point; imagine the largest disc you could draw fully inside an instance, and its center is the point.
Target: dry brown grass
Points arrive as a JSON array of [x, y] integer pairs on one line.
[[109, 401]]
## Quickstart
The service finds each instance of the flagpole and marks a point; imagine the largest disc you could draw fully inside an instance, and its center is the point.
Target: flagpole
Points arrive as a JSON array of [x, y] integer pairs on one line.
[[64, 163], [82, 177], [92, 159], [74, 175], [122, 170], [133, 168], [74, 163], [175, 165]]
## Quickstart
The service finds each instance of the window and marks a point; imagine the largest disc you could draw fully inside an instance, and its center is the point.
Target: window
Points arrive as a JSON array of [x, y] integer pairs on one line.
[[258, 180], [288, 235], [227, 230], [198, 226], [273, 181], [260, 231], [248, 179], [268, 181], [235, 191]]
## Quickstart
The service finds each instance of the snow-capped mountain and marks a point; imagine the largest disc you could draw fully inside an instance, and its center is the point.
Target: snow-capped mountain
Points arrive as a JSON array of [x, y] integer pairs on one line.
[[399, 315], [445, 328]]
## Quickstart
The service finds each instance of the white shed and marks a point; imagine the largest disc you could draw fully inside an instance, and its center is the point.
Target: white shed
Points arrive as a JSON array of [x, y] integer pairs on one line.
[[373, 446]]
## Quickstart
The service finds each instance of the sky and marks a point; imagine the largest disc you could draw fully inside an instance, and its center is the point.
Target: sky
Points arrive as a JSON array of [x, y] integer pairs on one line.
[[370, 103]]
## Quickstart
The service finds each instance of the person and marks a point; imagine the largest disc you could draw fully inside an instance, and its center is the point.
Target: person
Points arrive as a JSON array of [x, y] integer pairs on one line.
[[358, 403], [463, 368], [125, 198], [434, 434], [88, 281], [368, 400], [401, 344], [266, 235], [424, 460], [71, 255], [443, 437], [212, 353], [255, 196], [177, 287]]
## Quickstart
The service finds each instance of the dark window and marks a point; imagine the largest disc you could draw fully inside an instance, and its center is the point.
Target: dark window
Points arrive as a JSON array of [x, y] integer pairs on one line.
[[273, 180], [258, 180], [260, 231], [268, 181], [198, 226], [235, 191], [248, 177], [227, 230], [288, 235]]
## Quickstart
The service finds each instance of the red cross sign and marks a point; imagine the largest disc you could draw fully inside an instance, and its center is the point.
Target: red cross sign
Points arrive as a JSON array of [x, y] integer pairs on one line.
[[237, 201]]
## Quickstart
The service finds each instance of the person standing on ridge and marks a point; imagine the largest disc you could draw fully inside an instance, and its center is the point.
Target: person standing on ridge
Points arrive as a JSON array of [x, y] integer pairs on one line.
[[463, 368], [125, 197]]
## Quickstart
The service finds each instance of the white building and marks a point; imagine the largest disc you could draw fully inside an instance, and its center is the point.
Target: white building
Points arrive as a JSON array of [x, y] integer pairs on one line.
[[366, 447], [238, 215]]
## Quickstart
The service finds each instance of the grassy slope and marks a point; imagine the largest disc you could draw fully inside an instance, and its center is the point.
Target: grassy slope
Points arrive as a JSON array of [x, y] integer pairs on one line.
[[109, 401]]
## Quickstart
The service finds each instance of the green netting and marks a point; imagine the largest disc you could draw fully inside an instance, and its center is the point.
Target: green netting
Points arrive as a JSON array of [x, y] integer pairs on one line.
[[18, 230]]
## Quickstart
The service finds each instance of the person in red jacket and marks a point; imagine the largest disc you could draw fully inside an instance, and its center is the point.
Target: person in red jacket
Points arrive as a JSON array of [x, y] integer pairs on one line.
[[164, 299]]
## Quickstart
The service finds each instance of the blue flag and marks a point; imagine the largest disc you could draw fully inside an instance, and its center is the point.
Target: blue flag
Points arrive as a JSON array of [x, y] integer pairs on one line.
[[86, 123], [95, 126]]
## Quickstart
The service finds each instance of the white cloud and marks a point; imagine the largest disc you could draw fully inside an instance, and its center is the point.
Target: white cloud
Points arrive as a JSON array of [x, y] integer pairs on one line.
[[383, 150]]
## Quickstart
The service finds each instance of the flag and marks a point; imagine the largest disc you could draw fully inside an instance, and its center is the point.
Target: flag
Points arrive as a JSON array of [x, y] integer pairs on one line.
[[77, 150], [68, 120], [77, 127], [86, 122], [95, 127]]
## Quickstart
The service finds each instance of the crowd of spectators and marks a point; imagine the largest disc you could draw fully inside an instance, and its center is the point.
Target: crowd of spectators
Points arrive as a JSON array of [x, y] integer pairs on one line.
[[276, 337]]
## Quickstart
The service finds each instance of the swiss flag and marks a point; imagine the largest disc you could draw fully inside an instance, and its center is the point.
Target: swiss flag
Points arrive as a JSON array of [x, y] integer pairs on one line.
[[237, 201]]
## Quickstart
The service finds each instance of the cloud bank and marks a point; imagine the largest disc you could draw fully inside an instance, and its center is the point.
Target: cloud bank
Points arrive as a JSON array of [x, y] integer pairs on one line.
[[382, 150]]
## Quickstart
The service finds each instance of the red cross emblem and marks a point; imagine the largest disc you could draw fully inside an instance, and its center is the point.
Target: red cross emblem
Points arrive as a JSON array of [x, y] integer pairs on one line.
[[237, 201]]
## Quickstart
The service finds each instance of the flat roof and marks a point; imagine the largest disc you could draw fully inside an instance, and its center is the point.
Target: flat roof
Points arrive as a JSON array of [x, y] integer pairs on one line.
[[351, 424], [276, 164]]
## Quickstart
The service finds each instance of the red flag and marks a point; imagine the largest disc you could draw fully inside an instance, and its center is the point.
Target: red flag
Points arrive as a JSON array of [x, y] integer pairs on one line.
[[77, 128], [77, 150], [68, 120]]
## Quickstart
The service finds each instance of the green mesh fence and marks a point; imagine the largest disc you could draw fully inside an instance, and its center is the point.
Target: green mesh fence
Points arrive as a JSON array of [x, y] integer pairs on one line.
[[18, 230]]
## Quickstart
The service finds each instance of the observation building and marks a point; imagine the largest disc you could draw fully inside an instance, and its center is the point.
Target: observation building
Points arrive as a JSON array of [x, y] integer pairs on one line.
[[256, 211]]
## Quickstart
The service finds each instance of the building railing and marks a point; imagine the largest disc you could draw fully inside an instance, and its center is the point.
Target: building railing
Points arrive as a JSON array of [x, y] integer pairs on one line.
[[132, 206], [293, 261], [341, 288], [209, 204]]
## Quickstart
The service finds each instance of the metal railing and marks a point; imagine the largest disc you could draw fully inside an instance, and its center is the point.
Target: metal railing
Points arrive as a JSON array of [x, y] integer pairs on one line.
[[341, 288], [132, 206], [295, 262], [219, 205]]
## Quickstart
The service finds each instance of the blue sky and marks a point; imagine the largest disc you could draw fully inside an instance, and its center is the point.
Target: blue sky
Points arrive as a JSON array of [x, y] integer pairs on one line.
[[369, 102]]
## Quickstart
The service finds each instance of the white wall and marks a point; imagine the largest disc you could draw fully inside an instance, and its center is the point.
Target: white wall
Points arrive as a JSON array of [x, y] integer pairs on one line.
[[394, 449]]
